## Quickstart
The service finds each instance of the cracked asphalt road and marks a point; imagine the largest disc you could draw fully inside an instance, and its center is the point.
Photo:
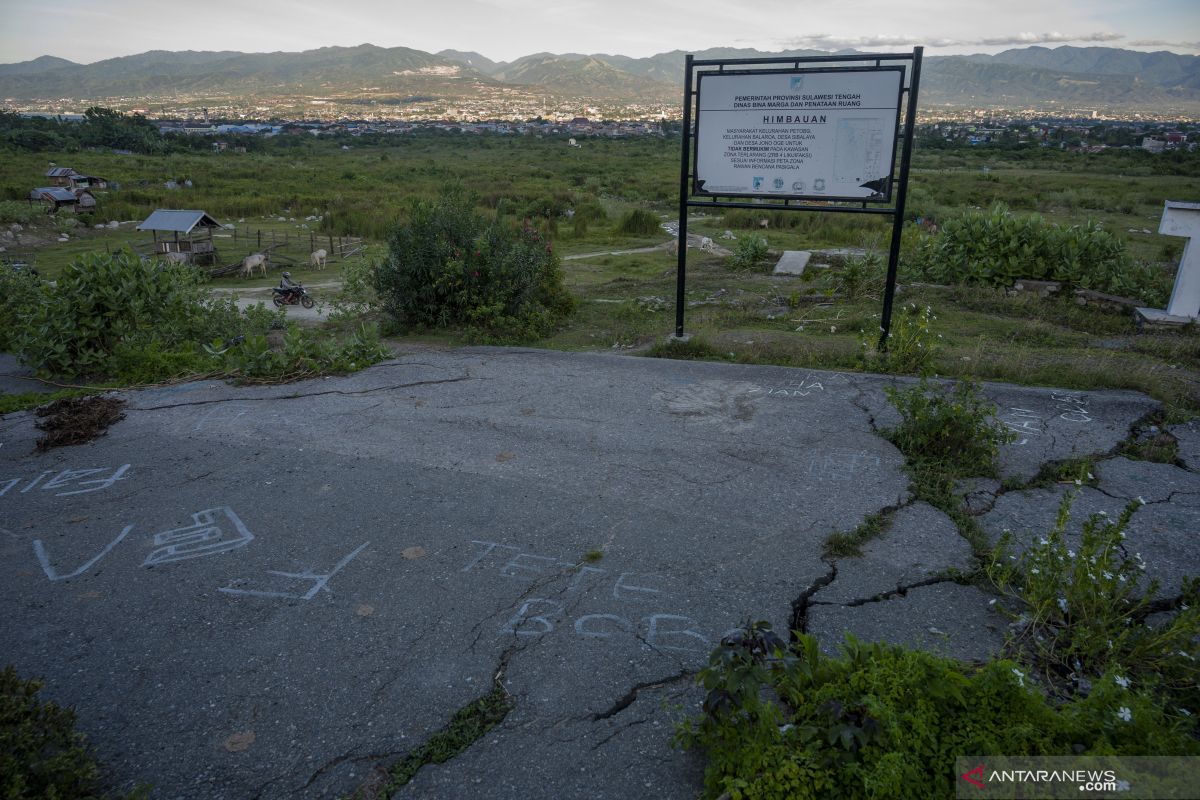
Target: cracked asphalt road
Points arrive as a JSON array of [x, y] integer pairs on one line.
[[289, 586]]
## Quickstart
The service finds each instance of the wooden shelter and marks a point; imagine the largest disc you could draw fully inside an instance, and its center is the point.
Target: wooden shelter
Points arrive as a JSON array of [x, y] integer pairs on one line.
[[58, 198], [187, 232]]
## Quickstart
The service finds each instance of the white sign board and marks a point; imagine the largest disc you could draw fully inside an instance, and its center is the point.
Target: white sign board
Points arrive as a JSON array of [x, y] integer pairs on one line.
[[819, 134]]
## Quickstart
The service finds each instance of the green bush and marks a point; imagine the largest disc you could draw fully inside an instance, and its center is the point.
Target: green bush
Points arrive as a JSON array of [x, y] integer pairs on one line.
[[749, 253], [638, 222], [887, 722], [104, 302], [119, 318], [449, 267], [1081, 615], [19, 290], [911, 343], [952, 433], [15, 211], [997, 247], [41, 755]]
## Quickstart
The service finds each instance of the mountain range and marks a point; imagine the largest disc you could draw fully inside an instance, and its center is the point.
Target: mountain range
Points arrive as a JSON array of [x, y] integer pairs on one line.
[[1104, 78]]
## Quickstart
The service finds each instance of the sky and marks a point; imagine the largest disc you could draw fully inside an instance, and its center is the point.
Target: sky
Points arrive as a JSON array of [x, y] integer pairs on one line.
[[85, 31]]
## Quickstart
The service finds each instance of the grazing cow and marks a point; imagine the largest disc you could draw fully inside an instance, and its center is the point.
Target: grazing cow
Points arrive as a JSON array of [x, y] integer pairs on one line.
[[317, 259], [764, 223], [250, 262]]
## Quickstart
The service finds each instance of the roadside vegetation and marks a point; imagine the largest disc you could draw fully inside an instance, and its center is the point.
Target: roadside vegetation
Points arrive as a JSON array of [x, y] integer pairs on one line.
[[563, 247]]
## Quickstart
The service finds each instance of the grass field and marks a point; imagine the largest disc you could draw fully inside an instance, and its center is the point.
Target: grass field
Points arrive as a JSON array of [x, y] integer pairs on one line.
[[627, 301]]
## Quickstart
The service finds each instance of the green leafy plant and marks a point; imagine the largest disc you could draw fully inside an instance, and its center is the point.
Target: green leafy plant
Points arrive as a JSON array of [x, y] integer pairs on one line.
[[449, 267], [1081, 611], [749, 253], [911, 343], [784, 721], [997, 247], [950, 432], [638, 222], [41, 755]]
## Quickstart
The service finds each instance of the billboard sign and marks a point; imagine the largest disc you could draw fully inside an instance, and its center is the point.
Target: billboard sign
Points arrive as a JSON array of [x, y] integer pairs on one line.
[[818, 134]]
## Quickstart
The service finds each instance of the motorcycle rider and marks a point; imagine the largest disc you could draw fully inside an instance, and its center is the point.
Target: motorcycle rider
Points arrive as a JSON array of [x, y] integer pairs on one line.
[[286, 286]]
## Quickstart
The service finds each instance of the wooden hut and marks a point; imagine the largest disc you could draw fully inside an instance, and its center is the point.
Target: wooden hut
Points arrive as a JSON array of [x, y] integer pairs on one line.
[[187, 232], [57, 198]]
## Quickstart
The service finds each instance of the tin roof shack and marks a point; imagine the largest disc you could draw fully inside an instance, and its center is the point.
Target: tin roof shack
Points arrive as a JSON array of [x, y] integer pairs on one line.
[[76, 201], [189, 233], [60, 176]]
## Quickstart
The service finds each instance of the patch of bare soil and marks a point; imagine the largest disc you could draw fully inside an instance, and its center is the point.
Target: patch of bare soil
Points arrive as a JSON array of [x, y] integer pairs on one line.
[[77, 420]]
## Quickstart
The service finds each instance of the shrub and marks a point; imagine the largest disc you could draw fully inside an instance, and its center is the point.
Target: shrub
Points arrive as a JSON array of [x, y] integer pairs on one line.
[[15, 211], [911, 343], [997, 247], [884, 721], [1082, 615], [41, 755], [638, 222], [748, 253], [19, 289], [952, 433], [448, 266], [118, 318], [102, 302]]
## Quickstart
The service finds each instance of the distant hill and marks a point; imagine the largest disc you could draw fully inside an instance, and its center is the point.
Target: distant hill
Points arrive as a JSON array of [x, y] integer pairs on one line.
[[1077, 77], [36, 66], [584, 76]]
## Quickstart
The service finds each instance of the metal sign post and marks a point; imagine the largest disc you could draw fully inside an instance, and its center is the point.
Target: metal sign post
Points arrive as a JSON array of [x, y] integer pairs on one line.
[[799, 134]]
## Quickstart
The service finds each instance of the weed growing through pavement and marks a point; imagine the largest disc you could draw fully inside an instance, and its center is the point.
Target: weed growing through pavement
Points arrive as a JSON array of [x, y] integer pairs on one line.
[[911, 343], [1081, 611]]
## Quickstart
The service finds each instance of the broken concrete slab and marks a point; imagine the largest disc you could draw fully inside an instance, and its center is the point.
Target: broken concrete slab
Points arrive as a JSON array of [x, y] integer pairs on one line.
[[1055, 425], [1188, 437], [947, 618], [1148, 480], [299, 583], [792, 262], [920, 544], [1162, 532]]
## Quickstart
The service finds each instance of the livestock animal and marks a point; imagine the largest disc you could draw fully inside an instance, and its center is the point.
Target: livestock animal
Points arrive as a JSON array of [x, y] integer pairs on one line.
[[706, 245], [764, 223], [250, 262], [317, 259]]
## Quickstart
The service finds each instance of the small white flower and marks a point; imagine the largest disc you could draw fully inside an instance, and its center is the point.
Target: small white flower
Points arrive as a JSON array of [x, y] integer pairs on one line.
[[1070, 554], [1104, 513], [1121, 578], [1122, 682], [1124, 713], [1091, 477], [992, 602], [1035, 571], [1110, 644], [1044, 540], [1078, 482], [1185, 712], [1062, 603], [1141, 500], [1107, 576], [1020, 676], [1183, 606], [1122, 534]]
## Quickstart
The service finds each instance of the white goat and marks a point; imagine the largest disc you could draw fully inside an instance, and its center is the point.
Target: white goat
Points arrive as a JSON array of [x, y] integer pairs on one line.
[[317, 259]]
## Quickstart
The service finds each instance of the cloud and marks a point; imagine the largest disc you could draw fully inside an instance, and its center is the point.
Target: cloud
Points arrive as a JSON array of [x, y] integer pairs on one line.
[[825, 41], [1164, 43]]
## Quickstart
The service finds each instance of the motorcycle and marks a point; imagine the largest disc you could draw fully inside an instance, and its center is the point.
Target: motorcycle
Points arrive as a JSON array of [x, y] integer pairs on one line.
[[291, 296]]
